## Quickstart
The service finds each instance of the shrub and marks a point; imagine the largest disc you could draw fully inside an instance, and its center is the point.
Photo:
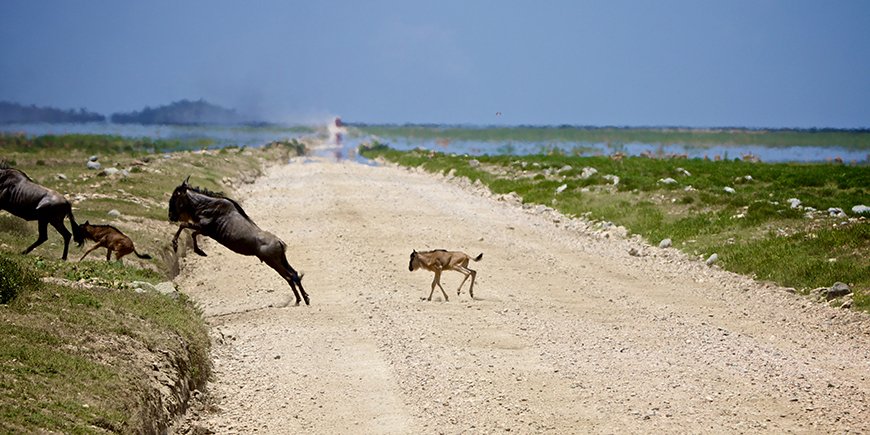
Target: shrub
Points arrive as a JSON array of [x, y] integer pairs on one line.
[[15, 277]]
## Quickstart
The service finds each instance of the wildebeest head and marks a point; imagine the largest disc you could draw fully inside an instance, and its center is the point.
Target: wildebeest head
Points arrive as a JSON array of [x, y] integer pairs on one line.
[[178, 201], [414, 264]]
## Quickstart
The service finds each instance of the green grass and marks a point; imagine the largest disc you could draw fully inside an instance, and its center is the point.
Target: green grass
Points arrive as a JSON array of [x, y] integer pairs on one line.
[[92, 143], [854, 139], [754, 230], [76, 360]]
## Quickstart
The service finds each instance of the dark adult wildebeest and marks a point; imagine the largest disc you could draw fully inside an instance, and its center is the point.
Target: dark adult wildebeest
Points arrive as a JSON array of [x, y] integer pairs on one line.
[[22, 197], [223, 219], [439, 260]]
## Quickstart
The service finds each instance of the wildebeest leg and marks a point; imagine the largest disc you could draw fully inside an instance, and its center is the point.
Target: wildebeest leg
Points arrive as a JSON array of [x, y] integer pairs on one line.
[[471, 289], [302, 290], [464, 271], [175, 239], [108, 253], [43, 236], [89, 251], [283, 268], [58, 225], [182, 227], [437, 281], [295, 278], [195, 245]]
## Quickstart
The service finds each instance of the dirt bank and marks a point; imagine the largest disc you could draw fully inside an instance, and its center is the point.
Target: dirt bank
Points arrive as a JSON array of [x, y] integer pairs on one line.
[[570, 333]]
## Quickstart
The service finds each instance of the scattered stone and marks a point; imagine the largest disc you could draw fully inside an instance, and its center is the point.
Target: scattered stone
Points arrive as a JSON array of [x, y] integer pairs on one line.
[[167, 288], [565, 168], [63, 177], [668, 180], [108, 172], [612, 178], [94, 165], [684, 172], [729, 189], [712, 259], [690, 189], [666, 243], [511, 197], [588, 172], [861, 209], [561, 188], [92, 158], [847, 301], [114, 213], [142, 287], [836, 290], [836, 212], [474, 163], [634, 252], [794, 202]]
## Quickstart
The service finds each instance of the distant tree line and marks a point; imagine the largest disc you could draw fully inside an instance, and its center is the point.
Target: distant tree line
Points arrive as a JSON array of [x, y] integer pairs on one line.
[[12, 113], [182, 112]]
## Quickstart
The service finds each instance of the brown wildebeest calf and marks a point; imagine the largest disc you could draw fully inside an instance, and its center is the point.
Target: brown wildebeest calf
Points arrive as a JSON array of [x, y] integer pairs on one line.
[[440, 260], [110, 238]]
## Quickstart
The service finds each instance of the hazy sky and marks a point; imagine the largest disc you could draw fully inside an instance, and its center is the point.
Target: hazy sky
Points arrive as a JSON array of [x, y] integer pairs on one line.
[[694, 63]]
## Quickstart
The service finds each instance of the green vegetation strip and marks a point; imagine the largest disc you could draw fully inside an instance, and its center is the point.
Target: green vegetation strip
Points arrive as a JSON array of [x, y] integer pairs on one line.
[[753, 229], [855, 139], [71, 359], [80, 349]]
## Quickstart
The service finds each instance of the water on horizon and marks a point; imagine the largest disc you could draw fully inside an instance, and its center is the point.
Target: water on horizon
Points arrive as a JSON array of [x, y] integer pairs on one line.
[[253, 136]]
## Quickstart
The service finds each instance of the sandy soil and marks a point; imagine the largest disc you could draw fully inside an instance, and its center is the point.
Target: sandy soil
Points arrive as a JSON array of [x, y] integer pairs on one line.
[[568, 334]]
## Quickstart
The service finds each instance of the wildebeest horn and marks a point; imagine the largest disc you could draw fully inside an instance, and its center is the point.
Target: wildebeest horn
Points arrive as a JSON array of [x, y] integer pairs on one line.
[[184, 183]]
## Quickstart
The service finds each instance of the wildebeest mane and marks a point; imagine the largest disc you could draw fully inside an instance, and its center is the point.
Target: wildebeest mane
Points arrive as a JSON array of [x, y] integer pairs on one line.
[[207, 192], [5, 165]]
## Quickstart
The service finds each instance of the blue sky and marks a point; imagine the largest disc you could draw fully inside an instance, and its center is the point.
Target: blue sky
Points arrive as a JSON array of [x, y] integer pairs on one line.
[[632, 63]]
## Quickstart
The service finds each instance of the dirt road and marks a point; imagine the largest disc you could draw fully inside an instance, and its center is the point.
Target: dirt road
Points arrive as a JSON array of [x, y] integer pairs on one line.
[[569, 333]]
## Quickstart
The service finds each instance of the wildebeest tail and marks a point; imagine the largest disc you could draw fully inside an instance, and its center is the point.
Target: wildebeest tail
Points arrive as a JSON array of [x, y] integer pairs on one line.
[[142, 256], [78, 233], [478, 257]]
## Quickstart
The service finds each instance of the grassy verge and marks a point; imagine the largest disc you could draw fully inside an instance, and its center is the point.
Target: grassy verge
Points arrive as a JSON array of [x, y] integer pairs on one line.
[[852, 139], [80, 350], [751, 226]]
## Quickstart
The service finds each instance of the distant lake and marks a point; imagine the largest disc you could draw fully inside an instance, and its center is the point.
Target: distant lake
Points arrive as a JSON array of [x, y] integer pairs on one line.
[[252, 136], [765, 153]]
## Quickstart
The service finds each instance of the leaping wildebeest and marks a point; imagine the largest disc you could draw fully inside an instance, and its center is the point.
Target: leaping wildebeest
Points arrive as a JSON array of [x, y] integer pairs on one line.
[[216, 216], [30, 201], [440, 260]]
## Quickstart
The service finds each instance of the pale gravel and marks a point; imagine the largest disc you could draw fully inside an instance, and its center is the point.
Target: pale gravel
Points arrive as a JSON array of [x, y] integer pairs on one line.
[[569, 334]]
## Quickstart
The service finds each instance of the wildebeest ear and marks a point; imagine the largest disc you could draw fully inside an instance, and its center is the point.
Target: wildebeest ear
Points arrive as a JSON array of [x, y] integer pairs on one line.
[[87, 222]]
